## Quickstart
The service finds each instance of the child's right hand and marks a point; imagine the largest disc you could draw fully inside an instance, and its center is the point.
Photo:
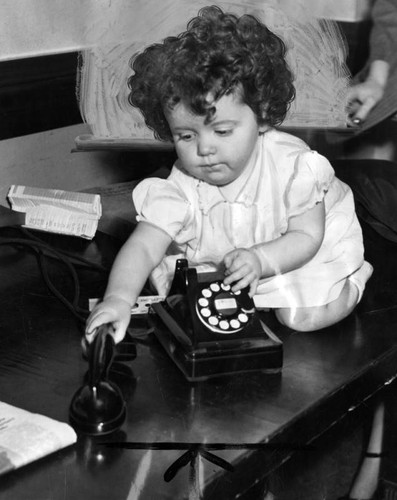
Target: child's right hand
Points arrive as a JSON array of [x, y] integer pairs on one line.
[[113, 310]]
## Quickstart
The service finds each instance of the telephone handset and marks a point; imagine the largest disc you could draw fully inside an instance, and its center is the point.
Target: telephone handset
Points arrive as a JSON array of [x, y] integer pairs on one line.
[[209, 330]]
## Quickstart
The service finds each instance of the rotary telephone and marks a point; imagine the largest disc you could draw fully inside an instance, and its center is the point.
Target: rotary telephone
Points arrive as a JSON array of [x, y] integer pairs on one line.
[[208, 330]]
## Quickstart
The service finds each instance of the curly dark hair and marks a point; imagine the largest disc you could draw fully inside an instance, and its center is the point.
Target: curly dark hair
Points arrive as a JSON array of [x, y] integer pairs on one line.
[[219, 53]]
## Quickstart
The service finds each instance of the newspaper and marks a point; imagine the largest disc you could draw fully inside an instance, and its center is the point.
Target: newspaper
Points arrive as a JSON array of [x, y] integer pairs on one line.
[[26, 436], [57, 211]]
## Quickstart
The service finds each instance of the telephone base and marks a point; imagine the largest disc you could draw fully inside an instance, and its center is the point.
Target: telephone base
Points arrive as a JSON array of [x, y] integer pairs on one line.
[[212, 360]]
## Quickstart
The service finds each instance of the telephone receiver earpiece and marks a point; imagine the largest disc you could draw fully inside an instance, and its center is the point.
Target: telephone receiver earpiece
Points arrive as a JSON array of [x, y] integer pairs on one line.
[[98, 406]]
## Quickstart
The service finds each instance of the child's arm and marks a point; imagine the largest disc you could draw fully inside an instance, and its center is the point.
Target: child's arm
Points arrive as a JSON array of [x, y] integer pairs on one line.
[[305, 233], [141, 253]]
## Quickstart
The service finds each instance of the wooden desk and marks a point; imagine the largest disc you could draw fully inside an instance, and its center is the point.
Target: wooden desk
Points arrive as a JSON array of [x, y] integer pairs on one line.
[[325, 375]]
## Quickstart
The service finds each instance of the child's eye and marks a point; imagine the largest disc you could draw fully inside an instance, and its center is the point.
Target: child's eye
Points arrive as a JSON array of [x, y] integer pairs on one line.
[[185, 137], [224, 132]]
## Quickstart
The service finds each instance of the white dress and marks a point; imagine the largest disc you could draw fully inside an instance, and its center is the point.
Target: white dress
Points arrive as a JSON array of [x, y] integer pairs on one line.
[[285, 179]]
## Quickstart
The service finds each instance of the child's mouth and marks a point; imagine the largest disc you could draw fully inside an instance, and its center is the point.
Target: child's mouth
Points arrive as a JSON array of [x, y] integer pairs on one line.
[[212, 166]]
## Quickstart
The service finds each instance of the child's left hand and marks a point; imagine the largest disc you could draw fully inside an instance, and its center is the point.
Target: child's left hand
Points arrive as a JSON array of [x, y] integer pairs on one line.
[[242, 269]]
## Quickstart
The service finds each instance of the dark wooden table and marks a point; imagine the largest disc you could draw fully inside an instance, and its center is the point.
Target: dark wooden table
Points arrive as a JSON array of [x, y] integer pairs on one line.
[[268, 417]]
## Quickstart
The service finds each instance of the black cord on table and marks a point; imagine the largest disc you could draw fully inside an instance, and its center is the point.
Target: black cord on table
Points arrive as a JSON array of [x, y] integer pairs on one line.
[[44, 250]]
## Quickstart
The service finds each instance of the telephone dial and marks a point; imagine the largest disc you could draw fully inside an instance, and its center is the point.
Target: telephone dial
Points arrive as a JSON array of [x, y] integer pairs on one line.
[[209, 331]]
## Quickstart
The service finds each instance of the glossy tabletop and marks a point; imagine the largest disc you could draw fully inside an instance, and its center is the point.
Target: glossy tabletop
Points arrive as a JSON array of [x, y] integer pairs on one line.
[[252, 421]]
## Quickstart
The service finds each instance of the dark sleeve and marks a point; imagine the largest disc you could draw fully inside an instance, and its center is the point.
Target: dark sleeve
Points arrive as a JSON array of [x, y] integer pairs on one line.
[[383, 37]]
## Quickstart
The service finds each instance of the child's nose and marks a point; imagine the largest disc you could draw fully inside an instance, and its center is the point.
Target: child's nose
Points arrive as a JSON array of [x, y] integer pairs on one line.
[[205, 146]]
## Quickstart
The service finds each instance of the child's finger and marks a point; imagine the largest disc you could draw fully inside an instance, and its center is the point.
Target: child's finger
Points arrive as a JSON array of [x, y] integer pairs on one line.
[[243, 283], [90, 334], [94, 322], [234, 276], [238, 263], [253, 287], [229, 258], [240, 278], [119, 333]]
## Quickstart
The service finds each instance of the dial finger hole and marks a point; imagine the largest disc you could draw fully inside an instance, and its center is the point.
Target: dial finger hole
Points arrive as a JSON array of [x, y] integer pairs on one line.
[[205, 312], [234, 323], [243, 318], [213, 320]]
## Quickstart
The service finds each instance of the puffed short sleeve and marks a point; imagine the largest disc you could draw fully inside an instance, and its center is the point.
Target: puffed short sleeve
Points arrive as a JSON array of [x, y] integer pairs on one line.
[[161, 203], [311, 178]]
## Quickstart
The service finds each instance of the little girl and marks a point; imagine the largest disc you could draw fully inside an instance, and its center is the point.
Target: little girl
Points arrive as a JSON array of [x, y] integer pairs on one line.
[[242, 197]]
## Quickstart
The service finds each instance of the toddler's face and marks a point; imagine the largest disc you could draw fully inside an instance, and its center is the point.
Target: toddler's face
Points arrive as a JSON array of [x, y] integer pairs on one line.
[[218, 151]]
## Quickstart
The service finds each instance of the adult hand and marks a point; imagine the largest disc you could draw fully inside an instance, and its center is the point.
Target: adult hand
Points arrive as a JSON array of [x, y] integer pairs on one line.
[[362, 98], [242, 269]]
